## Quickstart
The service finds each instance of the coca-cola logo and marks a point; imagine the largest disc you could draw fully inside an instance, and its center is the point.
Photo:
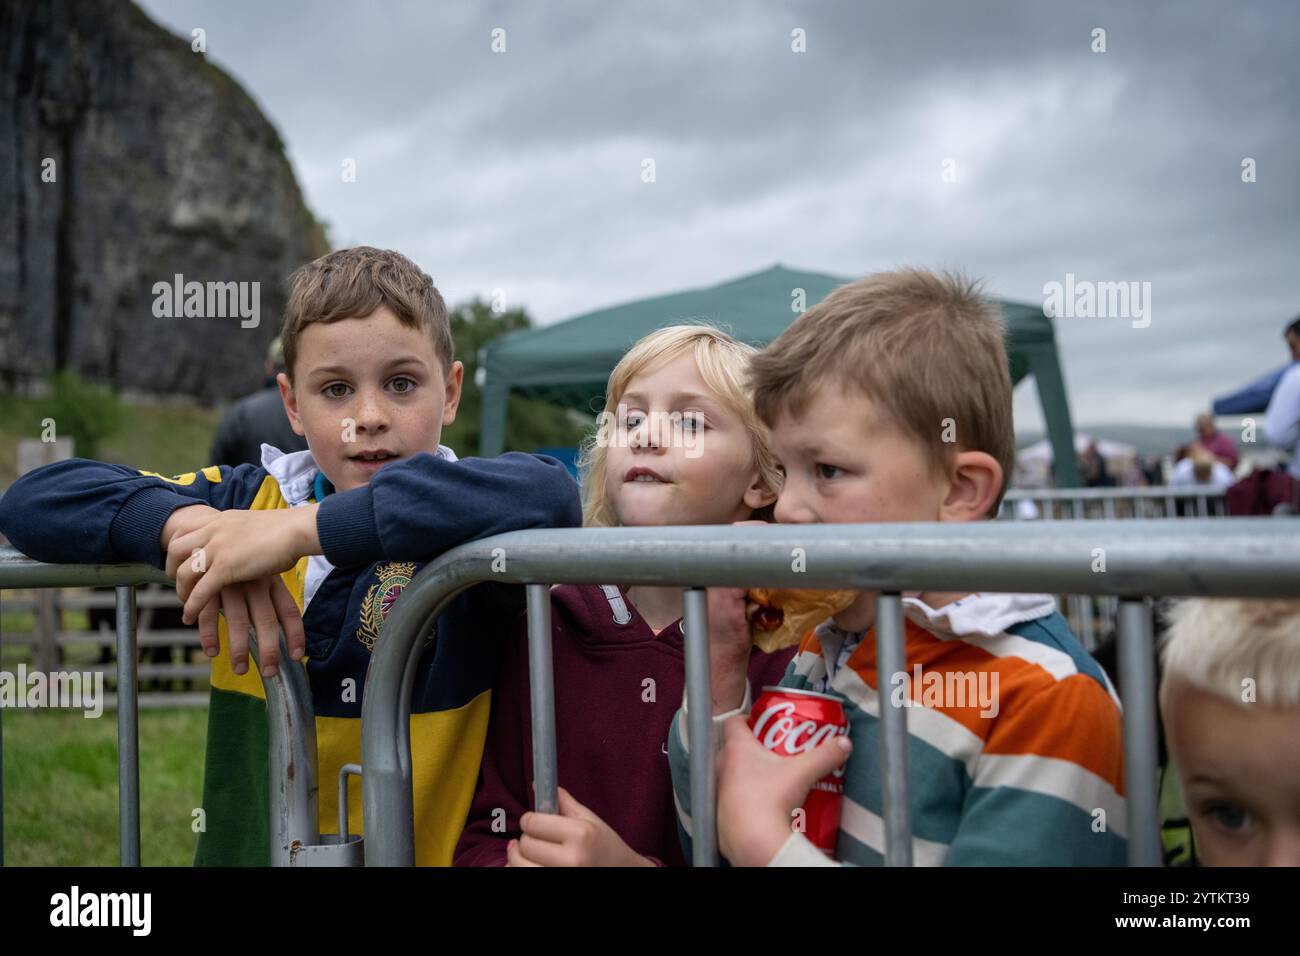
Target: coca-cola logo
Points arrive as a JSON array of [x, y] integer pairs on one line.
[[777, 730]]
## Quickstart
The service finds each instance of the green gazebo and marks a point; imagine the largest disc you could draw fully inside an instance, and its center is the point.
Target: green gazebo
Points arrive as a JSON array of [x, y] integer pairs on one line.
[[568, 363]]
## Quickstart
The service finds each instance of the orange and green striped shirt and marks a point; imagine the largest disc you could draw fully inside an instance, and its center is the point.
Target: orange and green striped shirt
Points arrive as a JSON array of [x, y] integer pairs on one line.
[[1015, 742]]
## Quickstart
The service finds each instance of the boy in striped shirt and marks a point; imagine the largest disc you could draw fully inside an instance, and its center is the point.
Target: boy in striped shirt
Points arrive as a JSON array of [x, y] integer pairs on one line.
[[891, 401]]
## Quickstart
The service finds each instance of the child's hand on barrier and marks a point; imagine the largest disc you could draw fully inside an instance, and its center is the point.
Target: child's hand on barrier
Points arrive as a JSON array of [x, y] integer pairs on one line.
[[268, 606], [182, 521], [573, 837], [729, 647], [264, 603], [758, 791], [238, 546]]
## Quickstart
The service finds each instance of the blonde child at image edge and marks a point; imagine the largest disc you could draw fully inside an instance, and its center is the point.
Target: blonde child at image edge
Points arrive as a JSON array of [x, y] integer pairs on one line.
[[1230, 701]]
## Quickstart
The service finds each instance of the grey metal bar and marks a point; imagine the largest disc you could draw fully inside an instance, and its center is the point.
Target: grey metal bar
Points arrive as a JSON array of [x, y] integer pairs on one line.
[[1138, 680], [347, 770], [128, 731], [1171, 509], [699, 710], [1201, 510], [1080, 604], [408, 689], [1074, 613], [891, 659], [386, 796], [1108, 508], [1249, 557], [541, 685], [19, 571], [291, 756]]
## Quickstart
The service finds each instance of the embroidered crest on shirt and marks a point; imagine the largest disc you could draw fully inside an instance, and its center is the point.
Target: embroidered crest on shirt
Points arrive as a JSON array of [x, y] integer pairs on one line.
[[379, 599]]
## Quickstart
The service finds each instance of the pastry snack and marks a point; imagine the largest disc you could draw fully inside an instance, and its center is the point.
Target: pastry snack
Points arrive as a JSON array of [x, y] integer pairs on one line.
[[780, 617]]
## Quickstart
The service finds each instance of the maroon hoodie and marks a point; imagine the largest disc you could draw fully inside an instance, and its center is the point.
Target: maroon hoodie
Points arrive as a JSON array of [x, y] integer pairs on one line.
[[611, 725]]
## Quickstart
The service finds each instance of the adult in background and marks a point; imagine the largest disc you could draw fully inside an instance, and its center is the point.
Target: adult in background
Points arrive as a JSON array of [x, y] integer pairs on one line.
[[1282, 420], [1092, 468], [1200, 467], [255, 419], [1218, 444]]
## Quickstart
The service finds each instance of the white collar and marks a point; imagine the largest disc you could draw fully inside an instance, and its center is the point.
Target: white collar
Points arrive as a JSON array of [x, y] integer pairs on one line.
[[980, 613], [295, 472]]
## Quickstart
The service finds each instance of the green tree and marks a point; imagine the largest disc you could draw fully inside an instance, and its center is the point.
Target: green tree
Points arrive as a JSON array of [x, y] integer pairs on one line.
[[82, 410], [530, 424]]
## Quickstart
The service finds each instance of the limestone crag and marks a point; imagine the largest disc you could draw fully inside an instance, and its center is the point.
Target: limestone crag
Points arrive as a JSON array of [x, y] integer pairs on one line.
[[126, 158]]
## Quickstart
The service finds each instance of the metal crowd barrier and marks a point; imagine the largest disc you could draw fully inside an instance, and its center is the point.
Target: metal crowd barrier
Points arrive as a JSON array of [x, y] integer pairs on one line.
[[1050, 504], [295, 836], [1249, 557], [1118, 502]]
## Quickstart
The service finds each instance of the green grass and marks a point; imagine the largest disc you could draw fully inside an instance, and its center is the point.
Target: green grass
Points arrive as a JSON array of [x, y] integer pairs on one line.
[[167, 439], [60, 780], [60, 769]]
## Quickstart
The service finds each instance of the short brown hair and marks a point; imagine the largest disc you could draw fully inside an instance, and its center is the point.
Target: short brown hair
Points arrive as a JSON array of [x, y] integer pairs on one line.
[[353, 283], [924, 347]]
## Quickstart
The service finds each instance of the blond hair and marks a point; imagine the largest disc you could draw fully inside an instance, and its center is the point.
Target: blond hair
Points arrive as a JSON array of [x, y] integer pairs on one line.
[[927, 349], [1216, 644], [352, 284], [723, 363]]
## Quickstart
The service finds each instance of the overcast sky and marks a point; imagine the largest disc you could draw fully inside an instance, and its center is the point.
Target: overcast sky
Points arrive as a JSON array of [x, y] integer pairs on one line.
[[522, 170]]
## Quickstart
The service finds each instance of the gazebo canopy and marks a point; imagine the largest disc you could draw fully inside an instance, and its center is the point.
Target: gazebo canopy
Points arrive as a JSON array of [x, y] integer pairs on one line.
[[1250, 398], [568, 363]]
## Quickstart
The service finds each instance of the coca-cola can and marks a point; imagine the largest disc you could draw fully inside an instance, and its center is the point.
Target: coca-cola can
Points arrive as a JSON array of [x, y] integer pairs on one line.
[[792, 722]]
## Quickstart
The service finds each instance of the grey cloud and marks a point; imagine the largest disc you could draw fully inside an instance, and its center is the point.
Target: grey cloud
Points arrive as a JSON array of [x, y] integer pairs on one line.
[[522, 171]]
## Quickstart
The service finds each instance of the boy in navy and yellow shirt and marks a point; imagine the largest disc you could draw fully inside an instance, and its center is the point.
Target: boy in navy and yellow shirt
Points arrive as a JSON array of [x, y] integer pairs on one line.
[[336, 531]]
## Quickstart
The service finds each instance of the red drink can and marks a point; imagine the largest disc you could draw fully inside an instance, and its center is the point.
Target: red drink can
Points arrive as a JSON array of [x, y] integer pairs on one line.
[[792, 722]]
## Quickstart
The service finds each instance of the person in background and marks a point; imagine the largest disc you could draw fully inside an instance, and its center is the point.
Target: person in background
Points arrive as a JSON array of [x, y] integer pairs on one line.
[[1153, 472], [1092, 468], [1282, 419], [256, 419], [1200, 467], [1218, 444]]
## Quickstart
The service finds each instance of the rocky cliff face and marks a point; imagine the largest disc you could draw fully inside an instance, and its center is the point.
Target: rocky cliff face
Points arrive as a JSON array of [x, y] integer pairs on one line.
[[127, 159]]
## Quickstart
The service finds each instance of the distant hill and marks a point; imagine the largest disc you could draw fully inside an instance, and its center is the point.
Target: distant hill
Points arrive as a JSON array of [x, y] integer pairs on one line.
[[1147, 439]]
